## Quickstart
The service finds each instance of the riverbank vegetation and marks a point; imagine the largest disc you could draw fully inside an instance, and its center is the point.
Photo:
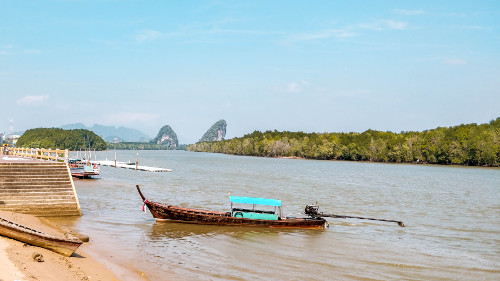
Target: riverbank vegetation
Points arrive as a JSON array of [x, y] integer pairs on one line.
[[78, 139], [471, 144]]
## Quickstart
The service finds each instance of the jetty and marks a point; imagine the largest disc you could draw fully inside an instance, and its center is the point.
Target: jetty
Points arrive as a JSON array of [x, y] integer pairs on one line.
[[37, 182], [129, 165]]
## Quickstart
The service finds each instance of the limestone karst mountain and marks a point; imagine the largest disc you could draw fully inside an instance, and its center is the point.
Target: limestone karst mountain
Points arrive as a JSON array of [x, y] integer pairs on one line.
[[168, 137], [216, 133]]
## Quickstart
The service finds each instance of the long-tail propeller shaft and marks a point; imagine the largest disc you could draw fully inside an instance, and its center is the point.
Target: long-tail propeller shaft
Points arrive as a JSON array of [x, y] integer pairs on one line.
[[313, 211]]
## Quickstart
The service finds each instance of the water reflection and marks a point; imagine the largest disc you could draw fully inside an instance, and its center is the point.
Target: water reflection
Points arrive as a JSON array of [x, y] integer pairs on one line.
[[164, 230]]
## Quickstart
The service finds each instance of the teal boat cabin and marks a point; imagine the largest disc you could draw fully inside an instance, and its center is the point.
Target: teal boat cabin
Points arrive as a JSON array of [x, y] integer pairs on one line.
[[264, 205]]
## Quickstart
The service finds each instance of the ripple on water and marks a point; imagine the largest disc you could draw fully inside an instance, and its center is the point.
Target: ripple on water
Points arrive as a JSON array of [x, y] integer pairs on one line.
[[452, 215]]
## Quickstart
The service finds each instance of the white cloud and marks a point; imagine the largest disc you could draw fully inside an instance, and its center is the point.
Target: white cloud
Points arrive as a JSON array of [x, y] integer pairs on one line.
[[322, 34], [349, 31], [6, 49], [384, 24], [11, 50], [394, 24], [472, 27], [296, 87], [454, 61], [148, 35], [32, 100], [217, 30]]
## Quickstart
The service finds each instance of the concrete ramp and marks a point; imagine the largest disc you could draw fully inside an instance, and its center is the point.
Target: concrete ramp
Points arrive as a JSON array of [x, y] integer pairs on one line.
[[40, 188]]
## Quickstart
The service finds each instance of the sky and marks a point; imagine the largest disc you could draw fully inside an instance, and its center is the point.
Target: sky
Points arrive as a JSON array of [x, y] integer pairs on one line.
[[311, 66]]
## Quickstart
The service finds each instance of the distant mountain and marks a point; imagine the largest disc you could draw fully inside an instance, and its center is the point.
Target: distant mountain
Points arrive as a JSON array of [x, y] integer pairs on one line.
[[112, 133], [168, 137], [216, 133], [74, 126]]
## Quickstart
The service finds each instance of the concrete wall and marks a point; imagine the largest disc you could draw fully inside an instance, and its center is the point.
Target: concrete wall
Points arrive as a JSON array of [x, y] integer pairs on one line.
[[40, 188]]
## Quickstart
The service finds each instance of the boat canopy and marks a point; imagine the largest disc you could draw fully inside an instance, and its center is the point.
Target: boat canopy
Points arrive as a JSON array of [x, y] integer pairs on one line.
[[256, 201]]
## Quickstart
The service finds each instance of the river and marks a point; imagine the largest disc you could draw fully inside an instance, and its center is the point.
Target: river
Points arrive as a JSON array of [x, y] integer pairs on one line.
[[452, 216]]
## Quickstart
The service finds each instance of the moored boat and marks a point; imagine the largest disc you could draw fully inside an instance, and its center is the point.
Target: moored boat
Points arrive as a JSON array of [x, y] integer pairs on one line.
[[82, 169], [235, 217], [63, 246]]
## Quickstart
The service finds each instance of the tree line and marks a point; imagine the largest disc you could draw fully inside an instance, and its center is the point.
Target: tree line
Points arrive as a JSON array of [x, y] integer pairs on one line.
[[470, 144], [78, 139]]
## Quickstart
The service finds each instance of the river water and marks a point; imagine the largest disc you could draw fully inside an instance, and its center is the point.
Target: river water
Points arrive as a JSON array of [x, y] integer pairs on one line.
[[452, 216]]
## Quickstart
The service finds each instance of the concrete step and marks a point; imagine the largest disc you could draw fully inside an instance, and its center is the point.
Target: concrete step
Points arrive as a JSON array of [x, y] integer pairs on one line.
[[38, 188]]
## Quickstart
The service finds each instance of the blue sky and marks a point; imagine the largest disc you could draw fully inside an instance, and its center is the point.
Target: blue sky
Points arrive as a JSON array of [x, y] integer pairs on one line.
[[312, 66]]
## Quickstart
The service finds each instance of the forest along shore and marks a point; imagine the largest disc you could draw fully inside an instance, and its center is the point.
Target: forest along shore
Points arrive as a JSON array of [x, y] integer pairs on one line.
[[468, 145], [17, 263]]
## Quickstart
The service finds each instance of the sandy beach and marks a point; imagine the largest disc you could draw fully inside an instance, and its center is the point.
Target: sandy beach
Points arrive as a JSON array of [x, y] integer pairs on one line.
[[17, 263]]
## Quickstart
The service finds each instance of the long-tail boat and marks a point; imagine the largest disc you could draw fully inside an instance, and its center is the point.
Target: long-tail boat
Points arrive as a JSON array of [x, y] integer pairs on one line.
[[83, 169], [61, 245], [236, 217]]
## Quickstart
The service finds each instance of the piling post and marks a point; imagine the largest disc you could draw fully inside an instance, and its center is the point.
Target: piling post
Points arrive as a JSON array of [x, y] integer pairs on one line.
[[137, 160], [115, 159]]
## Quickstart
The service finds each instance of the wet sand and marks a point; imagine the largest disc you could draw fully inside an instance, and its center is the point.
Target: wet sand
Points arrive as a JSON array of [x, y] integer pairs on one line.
[[16, 262]]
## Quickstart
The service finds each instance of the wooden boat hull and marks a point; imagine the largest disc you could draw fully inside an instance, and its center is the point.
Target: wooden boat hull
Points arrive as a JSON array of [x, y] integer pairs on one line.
[[81, 174], [83, 170], [162, 211], [63, 246], [165, 212]]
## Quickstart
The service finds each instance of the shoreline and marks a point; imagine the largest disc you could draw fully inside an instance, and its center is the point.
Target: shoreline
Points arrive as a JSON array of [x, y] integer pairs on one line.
[[373, 162], [423, 163], [17, 261]]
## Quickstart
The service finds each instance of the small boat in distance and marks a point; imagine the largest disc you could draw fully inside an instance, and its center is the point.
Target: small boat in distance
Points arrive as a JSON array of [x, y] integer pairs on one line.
[[236, 217], [83, 169], [60, 245]]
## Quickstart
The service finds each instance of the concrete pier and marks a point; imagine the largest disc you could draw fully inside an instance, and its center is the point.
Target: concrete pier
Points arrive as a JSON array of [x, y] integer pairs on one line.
[[37, 187], [131, 166]]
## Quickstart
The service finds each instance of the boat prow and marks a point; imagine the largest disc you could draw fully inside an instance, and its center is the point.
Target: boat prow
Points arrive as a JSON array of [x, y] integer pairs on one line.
[[61, 245]]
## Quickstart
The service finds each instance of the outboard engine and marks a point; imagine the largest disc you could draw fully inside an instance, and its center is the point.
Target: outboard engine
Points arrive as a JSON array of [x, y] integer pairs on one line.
[[312, 210]]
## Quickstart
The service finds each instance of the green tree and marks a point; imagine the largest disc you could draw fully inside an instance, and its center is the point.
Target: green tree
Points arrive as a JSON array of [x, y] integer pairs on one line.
[[470, 144], [61, 139]]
